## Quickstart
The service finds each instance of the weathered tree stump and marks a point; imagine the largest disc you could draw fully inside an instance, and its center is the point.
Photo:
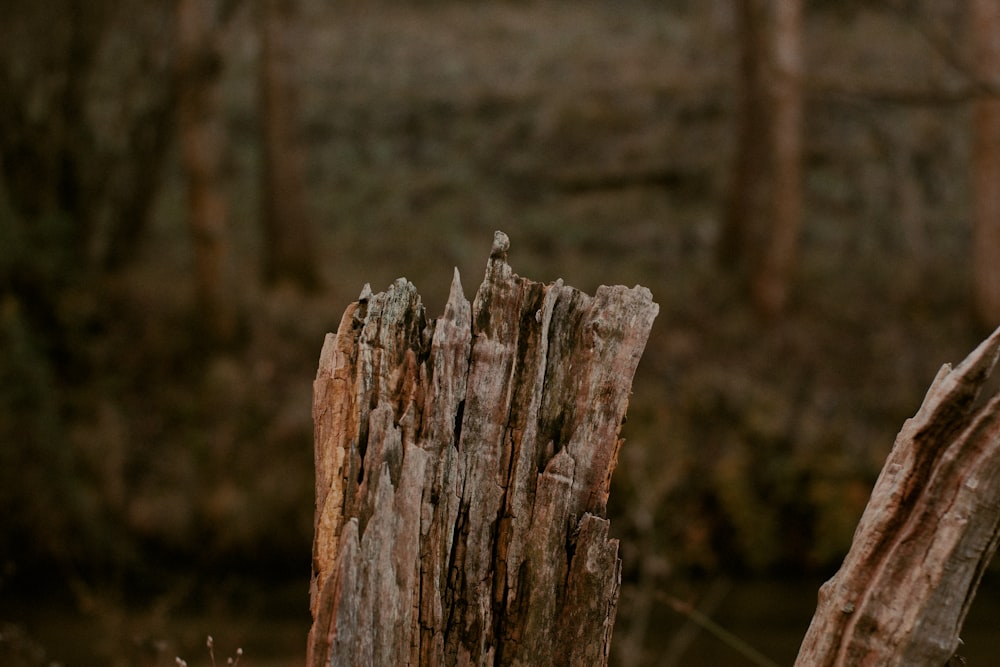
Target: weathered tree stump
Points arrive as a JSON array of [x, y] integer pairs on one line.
[[929, 531], [462, 473]]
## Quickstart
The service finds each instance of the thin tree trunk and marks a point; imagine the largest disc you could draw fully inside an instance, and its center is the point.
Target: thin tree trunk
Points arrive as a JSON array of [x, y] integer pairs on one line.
[[764, 208], [463, 469], [202, 133], [739, 241], [289, 247], [984, 24], [772, 282], [150, 138], [927, 535]]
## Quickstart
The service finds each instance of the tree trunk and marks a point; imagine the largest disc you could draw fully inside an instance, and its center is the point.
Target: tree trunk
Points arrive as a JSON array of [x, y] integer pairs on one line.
[[151, 135], [984, 24], [929, 531], [771, 282], [462, 471], [202, 134], [288, 238], [764, 207], [745, 205]]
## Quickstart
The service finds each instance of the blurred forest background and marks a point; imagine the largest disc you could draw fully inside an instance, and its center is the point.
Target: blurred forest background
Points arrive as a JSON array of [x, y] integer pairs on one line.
[[191, 192]]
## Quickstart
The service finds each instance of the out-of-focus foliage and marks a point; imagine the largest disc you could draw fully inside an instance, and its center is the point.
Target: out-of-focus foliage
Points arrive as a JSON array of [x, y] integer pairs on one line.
[[87, 124], [596, 136], [83, 128]]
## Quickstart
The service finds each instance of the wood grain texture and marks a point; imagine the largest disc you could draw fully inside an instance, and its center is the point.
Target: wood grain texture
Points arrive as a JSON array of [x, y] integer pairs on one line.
[[462, 472], [929, 531]]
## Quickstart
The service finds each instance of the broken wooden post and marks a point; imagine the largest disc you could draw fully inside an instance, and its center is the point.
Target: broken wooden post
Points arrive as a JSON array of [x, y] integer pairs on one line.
[[462, 473], [926, 536]]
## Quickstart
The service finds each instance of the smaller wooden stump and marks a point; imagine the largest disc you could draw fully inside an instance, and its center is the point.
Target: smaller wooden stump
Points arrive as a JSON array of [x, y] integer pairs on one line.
[[929, 531], [462, 473]]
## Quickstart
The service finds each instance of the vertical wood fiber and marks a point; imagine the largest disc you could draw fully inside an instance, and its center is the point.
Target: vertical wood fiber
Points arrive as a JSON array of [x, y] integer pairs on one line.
[[462, 471]]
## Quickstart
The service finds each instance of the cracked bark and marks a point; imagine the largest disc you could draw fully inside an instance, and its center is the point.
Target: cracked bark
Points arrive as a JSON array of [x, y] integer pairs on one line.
[[929, 531], [462, 472]]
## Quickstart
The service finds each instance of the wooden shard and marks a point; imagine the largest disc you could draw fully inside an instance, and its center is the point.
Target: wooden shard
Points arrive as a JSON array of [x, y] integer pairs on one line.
[[929, 531], [462, 471]]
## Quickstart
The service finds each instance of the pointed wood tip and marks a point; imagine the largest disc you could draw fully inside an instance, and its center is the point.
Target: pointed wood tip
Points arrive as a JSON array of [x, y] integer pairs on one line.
[[456, 285], [985, 355], [962, 382], [457, 305]]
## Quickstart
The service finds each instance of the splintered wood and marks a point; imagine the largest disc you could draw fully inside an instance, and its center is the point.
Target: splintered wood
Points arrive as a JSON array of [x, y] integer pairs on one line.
[[462, 472], [929, 531]]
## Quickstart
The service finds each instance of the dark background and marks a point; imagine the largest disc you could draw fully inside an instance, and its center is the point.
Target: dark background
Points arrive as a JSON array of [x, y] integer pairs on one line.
[[156, 478]]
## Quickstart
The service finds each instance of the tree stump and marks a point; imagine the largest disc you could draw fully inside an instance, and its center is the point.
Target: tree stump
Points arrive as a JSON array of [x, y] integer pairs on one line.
[[929, 531], [462, 473]]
